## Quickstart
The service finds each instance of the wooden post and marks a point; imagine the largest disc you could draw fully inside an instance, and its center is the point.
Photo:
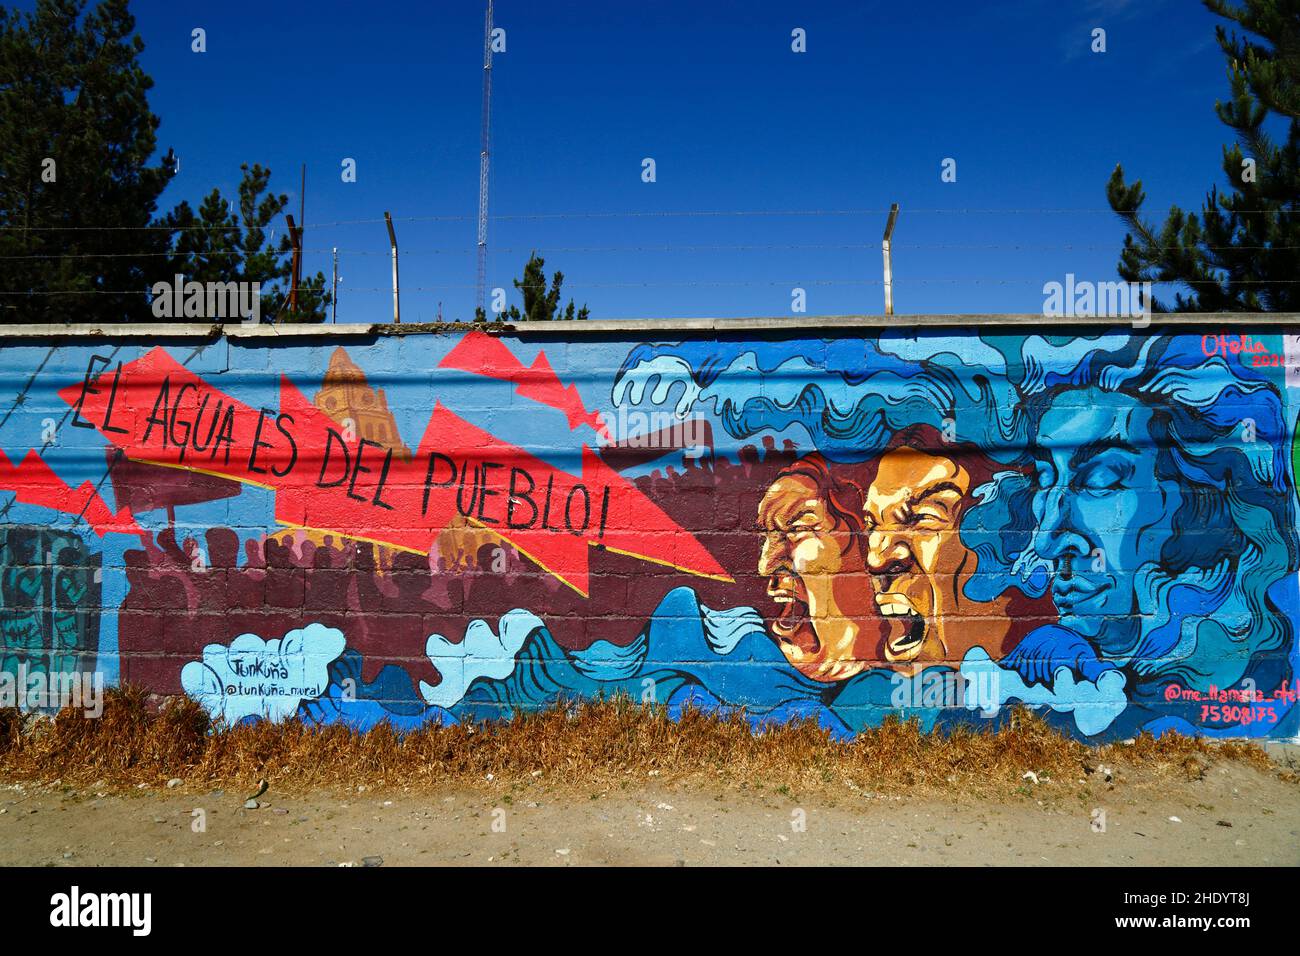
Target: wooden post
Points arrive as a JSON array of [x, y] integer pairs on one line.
[[295, 237]]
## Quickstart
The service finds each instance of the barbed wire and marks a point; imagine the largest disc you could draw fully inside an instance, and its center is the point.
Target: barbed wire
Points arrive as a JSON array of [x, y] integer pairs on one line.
[[668, 248], [640, 214], [689, 283]]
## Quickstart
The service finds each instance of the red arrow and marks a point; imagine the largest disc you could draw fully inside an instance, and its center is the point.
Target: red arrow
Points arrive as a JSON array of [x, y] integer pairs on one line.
[[36, 483]]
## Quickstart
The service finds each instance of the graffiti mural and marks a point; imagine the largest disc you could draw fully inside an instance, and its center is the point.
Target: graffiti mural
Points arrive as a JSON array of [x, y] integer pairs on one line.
[[811, 525], [49, 601]]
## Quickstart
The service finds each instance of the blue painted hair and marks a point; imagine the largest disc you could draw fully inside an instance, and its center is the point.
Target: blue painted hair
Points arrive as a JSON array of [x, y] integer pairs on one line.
[[1220, 431]]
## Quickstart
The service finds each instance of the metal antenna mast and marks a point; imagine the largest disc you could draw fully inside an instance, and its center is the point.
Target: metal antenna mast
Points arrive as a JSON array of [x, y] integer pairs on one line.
[[484, 136]]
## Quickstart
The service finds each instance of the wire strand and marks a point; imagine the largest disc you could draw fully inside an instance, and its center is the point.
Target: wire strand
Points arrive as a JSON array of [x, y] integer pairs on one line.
[[644, 214], [678, 284], [720, 247]]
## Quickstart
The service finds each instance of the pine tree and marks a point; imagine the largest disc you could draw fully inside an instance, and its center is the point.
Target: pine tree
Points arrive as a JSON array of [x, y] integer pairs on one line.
[[76, 137], [541, 304], [224, 243], [1242, 253], [79, 241]]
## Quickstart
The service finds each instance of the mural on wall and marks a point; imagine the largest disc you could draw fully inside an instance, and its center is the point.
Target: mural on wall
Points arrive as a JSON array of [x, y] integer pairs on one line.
[[49, 601], [447, 527]]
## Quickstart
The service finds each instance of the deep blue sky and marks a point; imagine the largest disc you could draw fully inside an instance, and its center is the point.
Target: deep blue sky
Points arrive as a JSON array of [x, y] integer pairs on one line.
[[735, 122]]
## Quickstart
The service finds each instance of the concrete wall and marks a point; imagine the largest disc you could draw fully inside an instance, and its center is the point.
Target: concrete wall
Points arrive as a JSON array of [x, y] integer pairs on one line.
[[359, 525]]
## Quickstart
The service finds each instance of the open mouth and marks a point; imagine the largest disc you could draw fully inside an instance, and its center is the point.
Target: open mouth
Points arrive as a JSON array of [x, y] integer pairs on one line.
[[907, 627], [792, 623]]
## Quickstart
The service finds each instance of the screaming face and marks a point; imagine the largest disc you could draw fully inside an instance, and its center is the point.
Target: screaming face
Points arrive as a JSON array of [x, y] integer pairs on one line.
[[826, 625], [918, 561]]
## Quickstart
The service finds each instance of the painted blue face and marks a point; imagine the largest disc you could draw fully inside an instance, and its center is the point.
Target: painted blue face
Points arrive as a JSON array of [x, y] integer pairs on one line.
[[1101, 515]]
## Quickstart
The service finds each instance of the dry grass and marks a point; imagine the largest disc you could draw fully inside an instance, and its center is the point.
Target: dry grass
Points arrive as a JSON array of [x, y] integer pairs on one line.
[[587, 745]]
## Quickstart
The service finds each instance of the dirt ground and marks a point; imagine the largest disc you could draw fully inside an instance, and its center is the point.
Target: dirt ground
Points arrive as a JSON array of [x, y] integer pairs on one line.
[[1233, 815]]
